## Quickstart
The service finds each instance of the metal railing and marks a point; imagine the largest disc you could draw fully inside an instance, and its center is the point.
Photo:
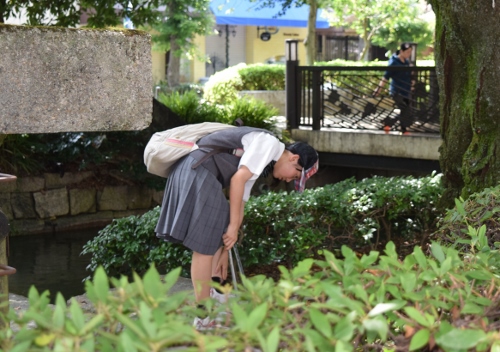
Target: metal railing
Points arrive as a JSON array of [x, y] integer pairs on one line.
[[343, 97]]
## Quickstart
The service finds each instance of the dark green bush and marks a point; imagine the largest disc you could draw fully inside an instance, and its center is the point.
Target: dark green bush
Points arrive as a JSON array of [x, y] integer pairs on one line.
[[289, 227], [129, 244]]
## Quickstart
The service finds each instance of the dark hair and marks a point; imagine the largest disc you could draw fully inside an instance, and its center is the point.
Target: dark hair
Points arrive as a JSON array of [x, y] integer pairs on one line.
[[308, 155], [405, 46]]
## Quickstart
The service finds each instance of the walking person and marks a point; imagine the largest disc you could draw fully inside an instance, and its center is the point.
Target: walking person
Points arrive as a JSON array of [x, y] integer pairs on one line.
[[400, 88], [195, 211]]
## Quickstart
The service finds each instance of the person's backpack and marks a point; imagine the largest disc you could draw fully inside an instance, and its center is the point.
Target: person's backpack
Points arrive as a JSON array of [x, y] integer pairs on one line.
[[166, 147]]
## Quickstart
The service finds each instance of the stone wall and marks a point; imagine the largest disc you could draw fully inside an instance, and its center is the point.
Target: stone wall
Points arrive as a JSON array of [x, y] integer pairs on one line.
[[64, 79], [51, 202]]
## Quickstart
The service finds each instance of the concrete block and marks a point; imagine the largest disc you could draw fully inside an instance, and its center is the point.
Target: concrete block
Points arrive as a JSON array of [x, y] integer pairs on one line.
[[30, 184], [82, 201], [63, 79], [56, 181], [113, 198], [23, 206], [51, 203]]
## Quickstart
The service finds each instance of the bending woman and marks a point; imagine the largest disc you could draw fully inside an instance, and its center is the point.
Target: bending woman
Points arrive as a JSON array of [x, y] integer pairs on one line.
[[195, 211]]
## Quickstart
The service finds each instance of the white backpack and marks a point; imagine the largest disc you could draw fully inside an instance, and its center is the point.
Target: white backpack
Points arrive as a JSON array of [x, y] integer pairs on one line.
[[166, 147]]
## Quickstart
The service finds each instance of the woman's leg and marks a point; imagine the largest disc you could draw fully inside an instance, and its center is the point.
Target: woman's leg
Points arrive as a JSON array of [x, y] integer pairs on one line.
[[201, 275]]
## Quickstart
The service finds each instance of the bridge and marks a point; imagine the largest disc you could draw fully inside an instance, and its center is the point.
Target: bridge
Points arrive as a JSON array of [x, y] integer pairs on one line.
[[334, 109]]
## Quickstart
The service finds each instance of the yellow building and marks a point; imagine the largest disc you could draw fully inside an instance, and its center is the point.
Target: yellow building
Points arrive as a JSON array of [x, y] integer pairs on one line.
[[243, 33]]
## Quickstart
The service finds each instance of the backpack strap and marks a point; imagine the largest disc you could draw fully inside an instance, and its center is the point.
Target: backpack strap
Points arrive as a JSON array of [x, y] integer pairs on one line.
[[217, 150]]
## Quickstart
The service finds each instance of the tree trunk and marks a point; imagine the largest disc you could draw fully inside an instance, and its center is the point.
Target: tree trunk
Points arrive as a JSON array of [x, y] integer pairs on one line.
[[174, 64], [366, 40], [311, 33], [467, 58]]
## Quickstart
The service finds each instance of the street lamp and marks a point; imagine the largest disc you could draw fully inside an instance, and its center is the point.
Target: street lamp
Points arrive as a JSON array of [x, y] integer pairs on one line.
[[413, 57], [292, 62], [291, 46]]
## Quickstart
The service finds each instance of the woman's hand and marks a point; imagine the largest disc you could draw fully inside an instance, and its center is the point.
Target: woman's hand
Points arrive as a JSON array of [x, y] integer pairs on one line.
[[230, 237], [222, 264]]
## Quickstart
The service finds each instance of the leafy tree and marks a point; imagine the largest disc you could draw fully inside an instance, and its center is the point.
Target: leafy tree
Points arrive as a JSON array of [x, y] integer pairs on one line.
[[417, 30], [66, 13], [367, 17], [467, 56], [182, 21]]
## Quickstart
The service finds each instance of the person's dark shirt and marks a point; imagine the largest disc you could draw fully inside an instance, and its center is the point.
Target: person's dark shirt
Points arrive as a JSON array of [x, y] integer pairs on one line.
[[401, 80]]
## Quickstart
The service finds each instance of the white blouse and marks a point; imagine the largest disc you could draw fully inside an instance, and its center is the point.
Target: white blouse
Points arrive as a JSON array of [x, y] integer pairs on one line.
[[260, 149]]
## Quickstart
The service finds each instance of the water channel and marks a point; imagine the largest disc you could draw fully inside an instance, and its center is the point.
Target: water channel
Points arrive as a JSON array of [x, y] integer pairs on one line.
[[49, 262]]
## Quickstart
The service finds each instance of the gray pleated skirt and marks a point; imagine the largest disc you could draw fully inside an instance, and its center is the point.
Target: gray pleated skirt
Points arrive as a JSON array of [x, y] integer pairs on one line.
[[195, 211]]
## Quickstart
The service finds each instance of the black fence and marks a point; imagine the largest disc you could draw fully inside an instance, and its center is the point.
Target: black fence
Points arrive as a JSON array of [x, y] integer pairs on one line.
[[343, 97]]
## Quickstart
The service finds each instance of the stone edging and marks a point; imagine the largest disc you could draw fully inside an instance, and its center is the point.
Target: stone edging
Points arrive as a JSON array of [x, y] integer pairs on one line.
[[41, 204]]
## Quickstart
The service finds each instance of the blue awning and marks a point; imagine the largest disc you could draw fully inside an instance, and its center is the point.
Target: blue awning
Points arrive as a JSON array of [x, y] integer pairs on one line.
[[246, 13]]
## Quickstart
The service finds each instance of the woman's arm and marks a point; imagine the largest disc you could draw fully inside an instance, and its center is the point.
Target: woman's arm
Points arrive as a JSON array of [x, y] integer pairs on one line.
[[236, 205]]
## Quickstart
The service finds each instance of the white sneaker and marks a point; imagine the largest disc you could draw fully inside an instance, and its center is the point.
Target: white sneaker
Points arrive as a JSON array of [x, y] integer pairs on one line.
[[205, 324], [219, 297]]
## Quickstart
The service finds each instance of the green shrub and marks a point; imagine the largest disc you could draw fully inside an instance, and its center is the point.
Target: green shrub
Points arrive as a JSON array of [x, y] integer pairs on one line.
[[289, 227], [192, 109], [253, 112], [262, 77], [129, 244], [369, 302], [223, 86]]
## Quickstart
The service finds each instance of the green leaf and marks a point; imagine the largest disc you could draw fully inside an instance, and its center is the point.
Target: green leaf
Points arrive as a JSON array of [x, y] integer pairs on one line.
[[170, 279], [420, 339], [379, 326], [320, 322], [77, 315], [302, 268], [420, 257], [145, 318], [58, 318], [460, 207], [408, 281], [471, 308], [417, 316], [479, 275], [257, 316], [445, 266], [101, 285], [153, 284], [381, 308], [342, 346], [93, 323], [344, 329], [240, 317], [437, 252], [273, 340], [367, 260], [461, 339]]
